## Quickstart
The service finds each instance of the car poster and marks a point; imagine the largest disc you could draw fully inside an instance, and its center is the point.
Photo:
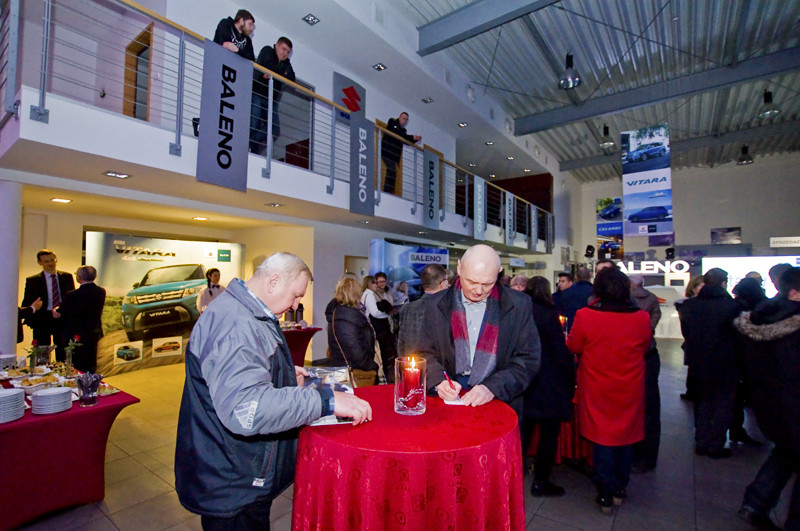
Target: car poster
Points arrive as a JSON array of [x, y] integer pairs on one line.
[[404, 263], [646, 181], [609, 228]]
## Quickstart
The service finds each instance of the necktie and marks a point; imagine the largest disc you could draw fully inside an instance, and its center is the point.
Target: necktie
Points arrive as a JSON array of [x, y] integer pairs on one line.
[[54, 288]]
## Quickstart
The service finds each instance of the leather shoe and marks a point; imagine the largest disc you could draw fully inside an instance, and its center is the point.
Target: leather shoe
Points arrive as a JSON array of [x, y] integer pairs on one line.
[[606, 502], [546, 489], [757, 520], [722, 453], [619, 497]]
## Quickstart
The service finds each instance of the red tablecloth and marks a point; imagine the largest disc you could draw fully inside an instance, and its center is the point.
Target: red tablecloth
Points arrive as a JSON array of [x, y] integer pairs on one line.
[[297, 341], [453, 467], [54, 461]]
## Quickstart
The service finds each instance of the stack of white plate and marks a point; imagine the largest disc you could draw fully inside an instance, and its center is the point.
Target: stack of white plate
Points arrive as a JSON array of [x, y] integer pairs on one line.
[[12, 404], [51, 400]]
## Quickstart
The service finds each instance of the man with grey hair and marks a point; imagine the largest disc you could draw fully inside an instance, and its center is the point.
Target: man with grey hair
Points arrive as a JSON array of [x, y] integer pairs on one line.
[[412, 315], [80, 314], [480, 333], [243, 400], [645, 452]]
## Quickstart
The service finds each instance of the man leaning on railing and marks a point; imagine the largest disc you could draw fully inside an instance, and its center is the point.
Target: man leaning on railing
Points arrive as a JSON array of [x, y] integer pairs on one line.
[[234, 34], [392, 148], [275, 59]]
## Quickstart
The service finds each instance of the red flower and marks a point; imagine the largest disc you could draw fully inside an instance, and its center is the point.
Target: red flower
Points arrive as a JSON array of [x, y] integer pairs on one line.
[[34, 343], [77, 338]]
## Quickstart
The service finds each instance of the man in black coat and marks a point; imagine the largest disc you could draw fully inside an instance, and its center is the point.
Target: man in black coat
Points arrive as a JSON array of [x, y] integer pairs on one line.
[[493, 349], [50, 286], [392, 148], [772, 378], [234, 34], [710, 346], [80, 316], [277, 60]]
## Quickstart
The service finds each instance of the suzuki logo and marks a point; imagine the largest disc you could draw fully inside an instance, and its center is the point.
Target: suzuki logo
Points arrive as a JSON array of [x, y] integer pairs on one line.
[[351, 99]]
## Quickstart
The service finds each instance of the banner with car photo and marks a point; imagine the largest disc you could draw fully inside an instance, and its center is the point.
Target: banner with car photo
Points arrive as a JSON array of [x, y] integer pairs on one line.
[[402, 265], [646, 181], [152, 285], [610, 240]]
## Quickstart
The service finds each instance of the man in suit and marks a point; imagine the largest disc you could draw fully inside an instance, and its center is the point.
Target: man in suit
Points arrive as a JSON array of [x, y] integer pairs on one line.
[[392, 148], [50, 285], [80, 316]]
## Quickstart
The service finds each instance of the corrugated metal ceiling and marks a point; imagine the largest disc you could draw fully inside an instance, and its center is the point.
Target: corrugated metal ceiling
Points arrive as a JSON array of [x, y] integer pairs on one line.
[[625, 45]]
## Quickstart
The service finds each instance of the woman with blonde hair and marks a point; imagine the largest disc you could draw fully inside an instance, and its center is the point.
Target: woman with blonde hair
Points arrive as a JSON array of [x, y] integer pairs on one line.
[[351, 340]]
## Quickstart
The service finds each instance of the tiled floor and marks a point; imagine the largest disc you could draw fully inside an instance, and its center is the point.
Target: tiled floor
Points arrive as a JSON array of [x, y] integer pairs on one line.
[[684, 493]]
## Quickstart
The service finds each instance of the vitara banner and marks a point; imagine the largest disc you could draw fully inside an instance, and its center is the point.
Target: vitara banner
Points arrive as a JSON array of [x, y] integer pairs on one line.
[[646, 181]]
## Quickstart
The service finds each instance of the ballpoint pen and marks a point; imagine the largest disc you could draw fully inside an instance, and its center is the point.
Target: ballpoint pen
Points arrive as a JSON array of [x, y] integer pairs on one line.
[[453, 387]]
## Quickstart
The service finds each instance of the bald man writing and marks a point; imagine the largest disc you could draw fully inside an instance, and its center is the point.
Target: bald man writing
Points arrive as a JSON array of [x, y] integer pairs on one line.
[[482, 334]]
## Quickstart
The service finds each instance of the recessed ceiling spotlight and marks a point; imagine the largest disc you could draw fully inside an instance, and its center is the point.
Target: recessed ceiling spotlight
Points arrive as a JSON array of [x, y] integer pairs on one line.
[[509, 158], [427, 99], [200, 218], [310, 19], [61, 200], [364, 221], [274, 205], [492, 175], [379, 67], [117, 174], [527, 170], [472, 164], [489, 143], [463, 124], [422, 232]]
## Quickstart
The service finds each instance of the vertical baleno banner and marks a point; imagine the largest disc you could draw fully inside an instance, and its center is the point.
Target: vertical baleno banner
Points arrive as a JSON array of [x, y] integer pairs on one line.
[[224, 118], [511, 226], [479, 208], [362, 166], [430, 212]]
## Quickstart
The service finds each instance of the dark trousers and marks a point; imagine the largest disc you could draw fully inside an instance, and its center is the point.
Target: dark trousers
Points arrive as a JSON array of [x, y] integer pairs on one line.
[[713, 412], [547, 447], [84, 358], [388, 343], [259, 114], [737, 430], [252, 517], [645, 452], [391, 174], [763, 494], [47, 328], [612, 467]]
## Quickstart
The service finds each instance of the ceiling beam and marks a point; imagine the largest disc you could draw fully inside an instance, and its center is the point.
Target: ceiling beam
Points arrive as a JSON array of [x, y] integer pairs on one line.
[[749, 70], [693, 144], [472, 19]]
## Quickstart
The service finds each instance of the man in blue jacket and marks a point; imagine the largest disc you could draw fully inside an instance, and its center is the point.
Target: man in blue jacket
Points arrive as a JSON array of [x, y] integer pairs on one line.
[[237, 437]]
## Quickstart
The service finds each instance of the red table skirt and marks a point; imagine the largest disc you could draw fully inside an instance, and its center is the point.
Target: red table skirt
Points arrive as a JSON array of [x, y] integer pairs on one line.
[[454, 467], [297, 341], [54, 461]]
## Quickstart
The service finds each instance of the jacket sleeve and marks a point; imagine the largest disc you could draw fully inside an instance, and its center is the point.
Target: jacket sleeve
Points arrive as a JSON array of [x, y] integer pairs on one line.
[[394, 126], [510, 381], [576, 341], [237, 371], [223, 32]]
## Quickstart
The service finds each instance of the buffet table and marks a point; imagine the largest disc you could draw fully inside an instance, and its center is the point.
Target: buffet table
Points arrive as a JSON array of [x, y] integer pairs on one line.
[[297, 341], [54, 461], [453, 467]]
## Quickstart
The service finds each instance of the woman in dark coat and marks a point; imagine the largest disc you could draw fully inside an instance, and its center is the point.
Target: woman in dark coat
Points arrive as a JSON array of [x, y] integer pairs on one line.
[[548, 399], [350, 336]]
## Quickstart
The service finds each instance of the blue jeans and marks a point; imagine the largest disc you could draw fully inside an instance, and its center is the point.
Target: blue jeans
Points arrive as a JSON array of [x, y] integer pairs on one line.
[[612, 467], [763, 494]]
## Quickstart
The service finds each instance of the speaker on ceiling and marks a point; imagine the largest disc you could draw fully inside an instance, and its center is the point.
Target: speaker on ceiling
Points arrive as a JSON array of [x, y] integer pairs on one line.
[[589, 251], [670, 251]]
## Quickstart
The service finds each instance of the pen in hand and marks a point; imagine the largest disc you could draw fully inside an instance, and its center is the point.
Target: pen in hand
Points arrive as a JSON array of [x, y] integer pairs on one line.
[[453, 387]]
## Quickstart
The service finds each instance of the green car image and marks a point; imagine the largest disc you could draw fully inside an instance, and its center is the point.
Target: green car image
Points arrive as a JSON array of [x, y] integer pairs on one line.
[[128, 353], [165, 296]]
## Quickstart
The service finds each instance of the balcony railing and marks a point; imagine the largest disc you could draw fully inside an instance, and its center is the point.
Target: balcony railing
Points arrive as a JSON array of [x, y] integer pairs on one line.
[[121, 57]]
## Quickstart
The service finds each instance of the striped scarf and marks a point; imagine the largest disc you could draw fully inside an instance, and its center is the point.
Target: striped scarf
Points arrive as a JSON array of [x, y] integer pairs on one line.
[[485, 358]]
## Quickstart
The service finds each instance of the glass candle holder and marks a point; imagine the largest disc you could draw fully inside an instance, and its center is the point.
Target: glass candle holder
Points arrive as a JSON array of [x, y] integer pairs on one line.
[[410, 377]]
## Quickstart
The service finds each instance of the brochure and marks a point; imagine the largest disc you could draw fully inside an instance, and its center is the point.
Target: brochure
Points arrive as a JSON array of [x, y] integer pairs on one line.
[[336, 378]]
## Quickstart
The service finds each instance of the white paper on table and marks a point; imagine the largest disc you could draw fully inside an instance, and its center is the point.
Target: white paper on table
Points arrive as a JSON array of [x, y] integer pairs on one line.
[[456, 402]]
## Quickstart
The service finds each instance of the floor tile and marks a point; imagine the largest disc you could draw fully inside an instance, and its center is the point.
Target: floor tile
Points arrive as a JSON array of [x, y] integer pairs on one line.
[[161, 512]]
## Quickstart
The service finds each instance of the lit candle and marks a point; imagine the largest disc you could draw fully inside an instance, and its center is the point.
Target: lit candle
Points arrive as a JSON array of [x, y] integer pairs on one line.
[[411, 380]]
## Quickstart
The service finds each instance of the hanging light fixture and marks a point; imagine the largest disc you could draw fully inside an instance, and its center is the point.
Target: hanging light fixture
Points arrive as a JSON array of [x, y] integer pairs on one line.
[[570, 78], [768, 109], [606, 143], [744, 158]]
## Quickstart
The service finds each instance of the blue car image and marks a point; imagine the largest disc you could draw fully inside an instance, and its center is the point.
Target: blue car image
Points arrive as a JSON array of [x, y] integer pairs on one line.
[[127, 353], [653, 213], [165, 296], [647, 151], [611, 211]]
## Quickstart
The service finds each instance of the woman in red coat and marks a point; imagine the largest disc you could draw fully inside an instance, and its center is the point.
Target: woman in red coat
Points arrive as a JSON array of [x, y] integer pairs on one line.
[[611, 338]]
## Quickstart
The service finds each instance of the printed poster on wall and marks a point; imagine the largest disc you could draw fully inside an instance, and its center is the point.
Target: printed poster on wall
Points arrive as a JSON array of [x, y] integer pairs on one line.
[[152, 285], [610, 239], [403, 263], [646, 181]]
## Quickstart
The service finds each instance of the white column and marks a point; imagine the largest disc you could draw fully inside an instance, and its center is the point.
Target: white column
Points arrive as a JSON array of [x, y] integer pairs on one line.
[[10, 240]]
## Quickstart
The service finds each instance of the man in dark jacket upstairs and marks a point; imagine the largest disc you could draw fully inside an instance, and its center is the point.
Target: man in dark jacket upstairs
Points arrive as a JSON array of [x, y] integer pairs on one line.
[[392, 148], [243, 400], [772, 379], [234, 34], [710, 346], [276, 59]]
